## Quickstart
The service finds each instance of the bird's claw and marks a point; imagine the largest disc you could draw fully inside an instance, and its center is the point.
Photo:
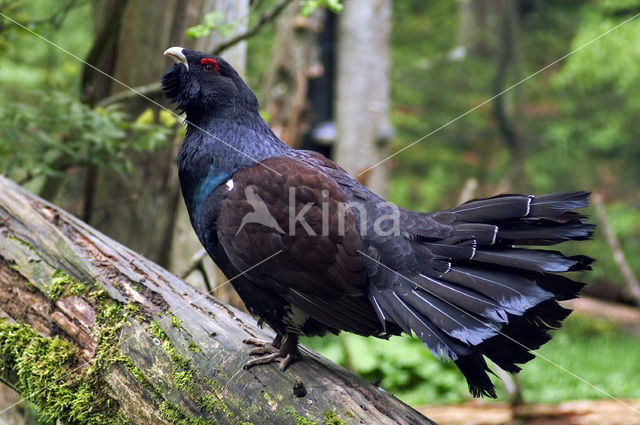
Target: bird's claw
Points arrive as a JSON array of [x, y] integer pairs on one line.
[[271, 358], [271, 352]]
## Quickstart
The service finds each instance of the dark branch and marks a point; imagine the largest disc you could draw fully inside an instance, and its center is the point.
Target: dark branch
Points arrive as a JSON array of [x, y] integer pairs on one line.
[[146, 90], [264, 19]]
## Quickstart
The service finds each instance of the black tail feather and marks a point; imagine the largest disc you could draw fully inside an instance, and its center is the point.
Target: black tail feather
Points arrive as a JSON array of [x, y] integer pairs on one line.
[[476, 294], [405, 316], [544, 232], [491, 209], [475, 370], [562, 287], [558, 203]]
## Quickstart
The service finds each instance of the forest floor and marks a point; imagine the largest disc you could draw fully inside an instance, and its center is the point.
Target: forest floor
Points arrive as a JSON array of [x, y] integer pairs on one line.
[[586, 412]]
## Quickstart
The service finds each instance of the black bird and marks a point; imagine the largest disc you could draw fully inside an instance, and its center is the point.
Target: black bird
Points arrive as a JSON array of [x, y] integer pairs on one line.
[[319, 252]]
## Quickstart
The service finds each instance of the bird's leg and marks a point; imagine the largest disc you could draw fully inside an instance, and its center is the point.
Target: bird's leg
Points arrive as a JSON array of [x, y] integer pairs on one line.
[[285, 353]]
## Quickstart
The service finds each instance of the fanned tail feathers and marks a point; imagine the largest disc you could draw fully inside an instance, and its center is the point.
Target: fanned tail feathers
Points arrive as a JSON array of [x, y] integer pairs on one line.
[[479, 291]]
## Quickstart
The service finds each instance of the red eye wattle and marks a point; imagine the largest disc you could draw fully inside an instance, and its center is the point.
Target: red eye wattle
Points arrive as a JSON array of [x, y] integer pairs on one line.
[[210, 65]]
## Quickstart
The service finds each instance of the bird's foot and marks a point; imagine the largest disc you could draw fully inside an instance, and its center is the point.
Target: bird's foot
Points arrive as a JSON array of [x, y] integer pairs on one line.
[[271, 358], [284, 352]]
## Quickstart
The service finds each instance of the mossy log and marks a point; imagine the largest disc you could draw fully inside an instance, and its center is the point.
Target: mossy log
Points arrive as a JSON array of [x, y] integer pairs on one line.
[[94, 333]]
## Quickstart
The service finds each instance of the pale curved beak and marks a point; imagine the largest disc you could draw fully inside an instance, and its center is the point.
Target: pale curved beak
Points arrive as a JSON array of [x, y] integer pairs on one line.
[[176, 54]]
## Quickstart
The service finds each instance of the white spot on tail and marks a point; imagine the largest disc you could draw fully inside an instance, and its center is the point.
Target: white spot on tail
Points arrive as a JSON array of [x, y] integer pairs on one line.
[[495, 234], [529, 199]]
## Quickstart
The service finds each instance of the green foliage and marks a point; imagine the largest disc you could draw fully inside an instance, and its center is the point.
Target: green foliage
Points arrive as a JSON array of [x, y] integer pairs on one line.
[[28, 64], [597, 91], [45, 131], [213, 21], [402, 366], [308, 6], [585, 347], [579, 115], [56, 133]]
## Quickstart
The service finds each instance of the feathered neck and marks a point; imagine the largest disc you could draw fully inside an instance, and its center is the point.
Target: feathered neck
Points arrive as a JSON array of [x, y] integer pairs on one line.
[[216, 147]]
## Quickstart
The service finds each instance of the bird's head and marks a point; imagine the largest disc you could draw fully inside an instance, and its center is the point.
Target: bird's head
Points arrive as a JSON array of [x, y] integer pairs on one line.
[[201, 83]]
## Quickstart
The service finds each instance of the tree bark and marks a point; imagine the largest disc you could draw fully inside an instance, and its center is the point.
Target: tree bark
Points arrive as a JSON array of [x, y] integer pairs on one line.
[[362, 91], [95, 333]]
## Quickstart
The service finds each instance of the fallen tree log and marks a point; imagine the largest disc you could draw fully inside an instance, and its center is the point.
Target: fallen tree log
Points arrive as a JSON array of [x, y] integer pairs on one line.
[[94, 333]]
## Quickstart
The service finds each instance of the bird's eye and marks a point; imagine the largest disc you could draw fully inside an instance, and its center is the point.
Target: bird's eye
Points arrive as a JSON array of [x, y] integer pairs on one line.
[[210, 65]]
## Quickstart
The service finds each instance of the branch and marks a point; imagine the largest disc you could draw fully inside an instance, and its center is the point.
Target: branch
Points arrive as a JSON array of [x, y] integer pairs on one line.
[[146, 90], [155, 88], [262, 21], [194, 263], [94, 333], [614, 244]]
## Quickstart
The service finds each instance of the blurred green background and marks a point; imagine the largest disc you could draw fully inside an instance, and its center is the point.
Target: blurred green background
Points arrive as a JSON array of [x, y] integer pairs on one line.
[[578, 119]]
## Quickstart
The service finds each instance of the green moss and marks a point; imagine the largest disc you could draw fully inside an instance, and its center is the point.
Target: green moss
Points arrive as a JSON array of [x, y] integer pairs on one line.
[[21, 242], [156, 331], [176, 416], [98, 294], [132, 308], [182, 373], [46, 372], [133, 369], [183, 379], [213, 403], [194, 348], [175, 322], [176, 358], [269, 400], [63, 285], [208, 402], [330, 418], [300, 420]]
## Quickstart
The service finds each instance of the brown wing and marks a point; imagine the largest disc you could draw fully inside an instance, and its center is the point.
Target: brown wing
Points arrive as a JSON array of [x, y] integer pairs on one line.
[[293, 209], [292, 219]]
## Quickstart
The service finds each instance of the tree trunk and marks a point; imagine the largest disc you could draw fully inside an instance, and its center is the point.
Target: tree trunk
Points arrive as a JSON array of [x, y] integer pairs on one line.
[[141, 211], [295, 60], [94, 333], [362, 91], [510, 118]]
